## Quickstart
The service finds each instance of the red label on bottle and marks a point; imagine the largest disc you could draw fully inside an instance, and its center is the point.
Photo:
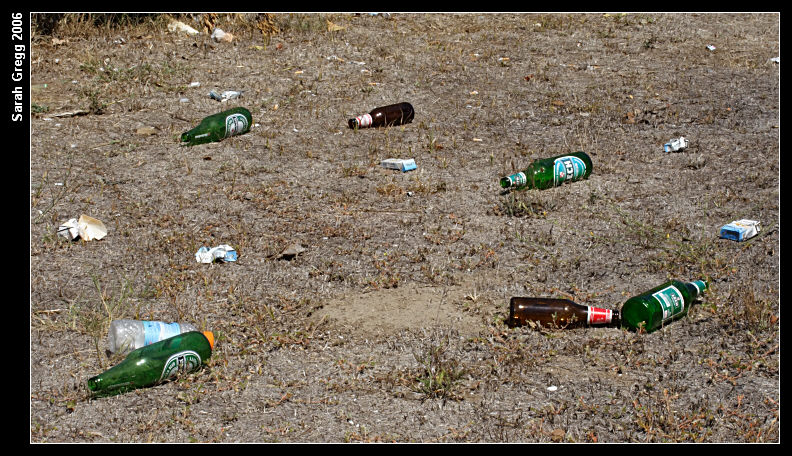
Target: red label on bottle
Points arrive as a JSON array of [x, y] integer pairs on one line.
[[364, 121], [598, 316]]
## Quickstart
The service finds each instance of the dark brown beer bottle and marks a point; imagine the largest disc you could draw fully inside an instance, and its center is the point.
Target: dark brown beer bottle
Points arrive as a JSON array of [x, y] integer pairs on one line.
[[385, 116], [557, 312]]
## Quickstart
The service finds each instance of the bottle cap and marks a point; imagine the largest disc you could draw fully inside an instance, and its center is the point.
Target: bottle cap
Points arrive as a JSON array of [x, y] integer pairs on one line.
[[210, 338]]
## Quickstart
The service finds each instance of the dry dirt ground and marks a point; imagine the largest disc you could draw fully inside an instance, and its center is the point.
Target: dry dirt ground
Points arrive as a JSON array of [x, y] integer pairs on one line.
[[389, 326]]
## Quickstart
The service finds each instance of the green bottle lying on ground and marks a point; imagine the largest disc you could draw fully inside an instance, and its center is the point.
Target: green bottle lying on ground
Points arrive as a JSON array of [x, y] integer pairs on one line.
[[660, 305], [219, 126], [155, 363], [550, 172]]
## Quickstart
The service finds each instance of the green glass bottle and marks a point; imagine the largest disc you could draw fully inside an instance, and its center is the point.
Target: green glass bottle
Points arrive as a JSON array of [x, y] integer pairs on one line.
[[660, 305], [155, 363], [550, 172], [218, 127]]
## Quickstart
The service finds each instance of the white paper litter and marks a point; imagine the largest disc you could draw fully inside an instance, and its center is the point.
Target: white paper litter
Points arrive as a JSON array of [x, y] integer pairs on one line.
[[219, 35], [87, 228], [223, 252], [179, 26]]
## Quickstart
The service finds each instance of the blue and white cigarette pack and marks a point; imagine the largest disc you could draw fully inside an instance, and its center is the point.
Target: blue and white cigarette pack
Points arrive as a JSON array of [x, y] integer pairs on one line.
[[675, 145], [401, 164], [740, 230]]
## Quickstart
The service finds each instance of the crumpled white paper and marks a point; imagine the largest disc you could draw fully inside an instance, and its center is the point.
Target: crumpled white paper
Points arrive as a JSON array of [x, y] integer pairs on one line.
[[87, 228], [223, 253], [179, 26], [219, 35], [225, 95]]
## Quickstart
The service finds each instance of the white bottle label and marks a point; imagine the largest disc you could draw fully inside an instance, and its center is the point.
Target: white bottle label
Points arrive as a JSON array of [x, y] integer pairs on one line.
[[364, 120], [236, 124], [671, 301]]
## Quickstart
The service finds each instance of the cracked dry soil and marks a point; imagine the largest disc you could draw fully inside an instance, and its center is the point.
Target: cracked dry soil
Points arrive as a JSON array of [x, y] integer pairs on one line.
[[389, 326]]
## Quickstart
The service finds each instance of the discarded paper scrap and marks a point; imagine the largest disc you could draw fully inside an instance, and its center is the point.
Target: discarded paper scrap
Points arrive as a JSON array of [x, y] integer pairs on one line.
[[223, 253], [87, 228], [220, 36], [179, 26], [225, 95]]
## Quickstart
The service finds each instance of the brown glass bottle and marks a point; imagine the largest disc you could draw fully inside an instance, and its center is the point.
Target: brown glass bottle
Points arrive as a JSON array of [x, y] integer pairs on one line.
[[385, 116], [557, 312]]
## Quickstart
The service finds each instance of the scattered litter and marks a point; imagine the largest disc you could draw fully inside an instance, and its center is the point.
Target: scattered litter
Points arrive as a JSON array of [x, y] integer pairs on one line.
[[223, 253], [219, 35], [78, 112], [710, 47], [195, 84], [552, 388], [184, 100], [385, 15], [401, 164], [225, 95], [87, 228], [57, 41], [179, 26], [146, 131], [675, 145], [290, 252], [776, 60], [740, 230]]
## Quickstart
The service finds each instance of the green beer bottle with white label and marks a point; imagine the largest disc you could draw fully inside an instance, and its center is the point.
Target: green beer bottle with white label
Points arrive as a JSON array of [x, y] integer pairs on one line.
[[660, 305], [218, 127], [155, 363], [550, 172]]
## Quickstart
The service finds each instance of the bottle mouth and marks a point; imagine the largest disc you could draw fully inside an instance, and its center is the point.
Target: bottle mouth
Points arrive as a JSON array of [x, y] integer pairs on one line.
[[353, 123], [93, 384]]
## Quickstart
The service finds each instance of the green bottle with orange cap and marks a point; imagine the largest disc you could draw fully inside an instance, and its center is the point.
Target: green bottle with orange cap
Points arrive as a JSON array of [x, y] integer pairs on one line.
[[155, 363]]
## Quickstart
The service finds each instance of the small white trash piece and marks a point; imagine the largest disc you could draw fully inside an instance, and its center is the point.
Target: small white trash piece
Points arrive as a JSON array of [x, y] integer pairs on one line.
[[224, 253], [225, 95], [740, 230], [675, 145], [710, 47], [219, 35], [87, 228], [178, 26], [401, 164]]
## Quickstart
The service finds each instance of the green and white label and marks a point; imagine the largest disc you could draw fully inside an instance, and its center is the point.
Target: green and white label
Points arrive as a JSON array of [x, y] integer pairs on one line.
[[671, 301], [236, 124], [182, 362], [517, 180], [567, 168]]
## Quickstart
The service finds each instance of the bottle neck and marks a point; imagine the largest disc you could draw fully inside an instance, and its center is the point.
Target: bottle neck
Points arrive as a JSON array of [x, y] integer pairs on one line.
[[697, 287]]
